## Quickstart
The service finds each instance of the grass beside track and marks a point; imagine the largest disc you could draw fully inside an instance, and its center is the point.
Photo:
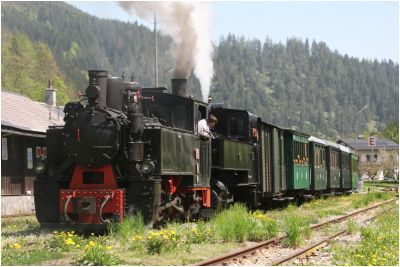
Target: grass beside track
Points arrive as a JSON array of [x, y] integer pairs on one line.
[[24, 243], [379, 244]]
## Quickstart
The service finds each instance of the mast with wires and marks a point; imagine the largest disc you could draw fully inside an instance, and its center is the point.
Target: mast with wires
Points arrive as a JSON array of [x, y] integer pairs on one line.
[[155, 48]]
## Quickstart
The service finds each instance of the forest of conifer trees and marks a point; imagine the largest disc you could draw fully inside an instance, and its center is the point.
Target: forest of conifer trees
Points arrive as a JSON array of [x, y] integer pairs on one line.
[[301, 84]]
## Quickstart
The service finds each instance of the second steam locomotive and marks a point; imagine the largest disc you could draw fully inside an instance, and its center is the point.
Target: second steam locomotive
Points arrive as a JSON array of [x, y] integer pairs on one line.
[[126, 150]]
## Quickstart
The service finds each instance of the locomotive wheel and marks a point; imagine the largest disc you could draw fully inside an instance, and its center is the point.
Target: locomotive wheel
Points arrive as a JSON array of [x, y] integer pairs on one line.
[[46, 201], [216, 202]]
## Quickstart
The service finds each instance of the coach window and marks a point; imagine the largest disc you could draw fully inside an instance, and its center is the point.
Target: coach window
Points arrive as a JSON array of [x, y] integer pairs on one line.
[[306, 153]]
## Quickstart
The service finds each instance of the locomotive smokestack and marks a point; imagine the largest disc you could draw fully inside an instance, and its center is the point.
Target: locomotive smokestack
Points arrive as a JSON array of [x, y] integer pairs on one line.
[[99, 78], [179, 87]]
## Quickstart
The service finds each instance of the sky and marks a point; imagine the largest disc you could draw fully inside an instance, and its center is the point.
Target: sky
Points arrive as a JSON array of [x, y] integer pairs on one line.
[[362, 29]]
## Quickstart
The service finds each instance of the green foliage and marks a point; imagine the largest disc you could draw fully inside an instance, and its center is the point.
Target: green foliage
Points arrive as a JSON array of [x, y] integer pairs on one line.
[[27, 67], [132, 225], [96, 254], [321, 90], [351, 226], [17, 255], [233, 224], [237, 224], [295, 229], [196, 233], [159, 241], [263, 226], [66, 241], [379, 244], [365, 199], [391, 132]]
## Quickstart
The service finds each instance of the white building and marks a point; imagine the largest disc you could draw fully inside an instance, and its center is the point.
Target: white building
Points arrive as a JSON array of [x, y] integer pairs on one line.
[[385, 154]]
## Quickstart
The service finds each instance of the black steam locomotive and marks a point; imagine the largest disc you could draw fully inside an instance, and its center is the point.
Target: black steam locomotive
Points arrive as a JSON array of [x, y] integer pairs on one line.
[[126, 149]]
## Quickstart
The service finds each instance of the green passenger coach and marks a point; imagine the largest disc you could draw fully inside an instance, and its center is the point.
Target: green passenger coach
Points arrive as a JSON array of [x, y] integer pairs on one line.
[[317, 164], [296, 160], [332, 153]]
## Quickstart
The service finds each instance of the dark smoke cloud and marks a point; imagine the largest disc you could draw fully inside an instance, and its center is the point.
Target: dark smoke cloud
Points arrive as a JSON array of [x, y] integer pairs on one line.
[[188, 24]]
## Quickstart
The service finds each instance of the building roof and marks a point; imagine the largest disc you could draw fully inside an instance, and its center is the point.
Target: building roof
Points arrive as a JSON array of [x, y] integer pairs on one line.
[[363, 144], [22, 113]]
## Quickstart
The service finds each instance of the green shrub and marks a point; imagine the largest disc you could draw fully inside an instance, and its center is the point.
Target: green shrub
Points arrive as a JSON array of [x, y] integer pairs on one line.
[[238, 225], [130, 226], [295, 228], [196, 233], [262, 226], [156, 242], [233, 224], [351, 226], [97, 255], [66, 241]]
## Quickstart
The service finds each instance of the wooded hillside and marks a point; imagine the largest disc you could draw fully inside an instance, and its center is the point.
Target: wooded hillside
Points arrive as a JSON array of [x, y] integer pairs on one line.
[[302, 84]]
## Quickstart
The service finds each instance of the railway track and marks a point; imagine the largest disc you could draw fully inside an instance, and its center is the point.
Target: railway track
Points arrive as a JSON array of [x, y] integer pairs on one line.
[[251, 250], [317, 245]]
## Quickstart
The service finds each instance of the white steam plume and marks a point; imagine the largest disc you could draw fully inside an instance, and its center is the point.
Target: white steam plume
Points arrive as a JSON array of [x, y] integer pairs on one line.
[[188, 24]]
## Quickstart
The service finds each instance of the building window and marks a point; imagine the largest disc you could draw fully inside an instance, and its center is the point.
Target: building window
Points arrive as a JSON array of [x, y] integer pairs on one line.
[[29, 158], [372, 158], [38, 152], [44, 152], [4, 149]]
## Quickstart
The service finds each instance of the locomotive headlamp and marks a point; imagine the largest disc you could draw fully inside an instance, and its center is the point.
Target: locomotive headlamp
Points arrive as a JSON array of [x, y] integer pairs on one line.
[[92, 91], [40, 167], [147, 167]]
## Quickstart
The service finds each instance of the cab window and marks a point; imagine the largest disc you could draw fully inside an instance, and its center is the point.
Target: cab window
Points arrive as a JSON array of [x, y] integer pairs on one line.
[[237, 126]]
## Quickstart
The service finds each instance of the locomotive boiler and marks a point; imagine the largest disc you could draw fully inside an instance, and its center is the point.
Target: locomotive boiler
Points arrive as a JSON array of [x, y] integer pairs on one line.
[[125, 150]]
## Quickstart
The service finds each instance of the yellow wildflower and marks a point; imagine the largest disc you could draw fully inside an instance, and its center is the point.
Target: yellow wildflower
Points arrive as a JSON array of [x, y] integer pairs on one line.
[[69, 241], [16, 246]]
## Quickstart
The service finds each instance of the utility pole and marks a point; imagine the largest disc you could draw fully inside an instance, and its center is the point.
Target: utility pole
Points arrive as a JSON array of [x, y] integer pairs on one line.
[[355, 124], [155, 48]]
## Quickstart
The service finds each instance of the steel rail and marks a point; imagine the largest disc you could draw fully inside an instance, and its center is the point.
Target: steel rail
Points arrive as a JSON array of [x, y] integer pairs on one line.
[[248, 250], [320, 243]]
